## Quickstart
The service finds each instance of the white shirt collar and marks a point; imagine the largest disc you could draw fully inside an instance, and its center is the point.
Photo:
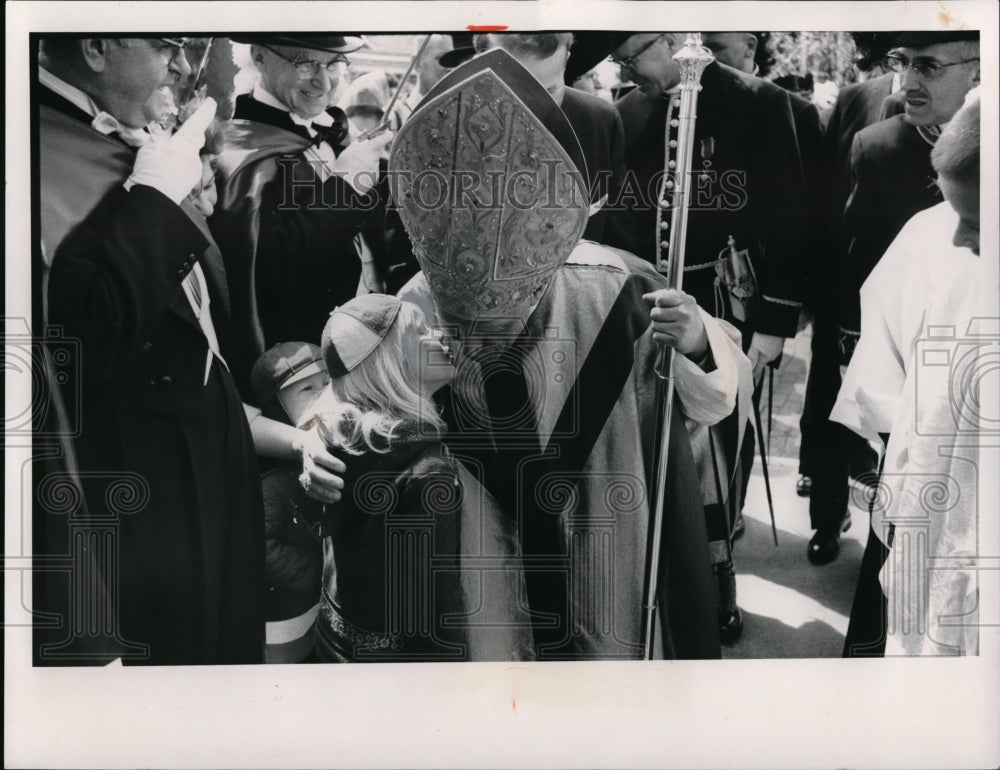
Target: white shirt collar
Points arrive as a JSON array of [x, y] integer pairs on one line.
[[264, 96], [70, 93], [103, 122]]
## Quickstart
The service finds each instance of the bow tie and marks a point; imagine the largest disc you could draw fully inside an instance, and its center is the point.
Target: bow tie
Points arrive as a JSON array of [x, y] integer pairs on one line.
[[109, 126], [333, 135]]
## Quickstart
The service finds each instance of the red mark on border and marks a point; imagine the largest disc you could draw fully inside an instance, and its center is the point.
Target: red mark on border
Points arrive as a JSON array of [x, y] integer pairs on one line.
[[486, 27]]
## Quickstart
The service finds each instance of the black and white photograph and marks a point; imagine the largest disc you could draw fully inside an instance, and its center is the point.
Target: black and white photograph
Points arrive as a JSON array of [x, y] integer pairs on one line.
[[502, 384]]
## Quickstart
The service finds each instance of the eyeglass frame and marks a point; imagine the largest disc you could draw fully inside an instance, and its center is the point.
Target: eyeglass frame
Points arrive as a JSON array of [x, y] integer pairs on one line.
[[629, 61], [177, 45], [311, 63], [928, 70]]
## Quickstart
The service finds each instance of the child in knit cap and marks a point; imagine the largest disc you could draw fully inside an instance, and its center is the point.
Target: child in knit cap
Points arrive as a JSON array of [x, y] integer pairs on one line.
[[285, 381], [395, 587]]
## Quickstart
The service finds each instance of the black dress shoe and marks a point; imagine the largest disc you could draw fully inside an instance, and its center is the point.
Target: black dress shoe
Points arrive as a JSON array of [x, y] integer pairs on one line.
[[804, 486], [824, 546], [731, 628], [730, 617]]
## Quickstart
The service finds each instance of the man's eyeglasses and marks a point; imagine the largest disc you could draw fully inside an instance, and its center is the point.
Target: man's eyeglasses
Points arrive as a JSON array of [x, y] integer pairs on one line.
[[628, 62], [307, 68], [172, 46], [928, 69]]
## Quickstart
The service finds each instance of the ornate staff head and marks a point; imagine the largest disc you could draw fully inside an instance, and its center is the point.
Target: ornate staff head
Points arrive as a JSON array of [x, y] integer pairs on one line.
[[692, 59], [490, 183]]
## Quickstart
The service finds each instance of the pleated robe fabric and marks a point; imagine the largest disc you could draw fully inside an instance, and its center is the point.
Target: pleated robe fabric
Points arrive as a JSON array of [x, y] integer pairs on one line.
[[574, 466]]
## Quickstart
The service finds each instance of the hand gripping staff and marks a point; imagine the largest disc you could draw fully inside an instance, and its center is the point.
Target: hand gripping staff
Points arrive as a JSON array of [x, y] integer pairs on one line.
[[692, 58]]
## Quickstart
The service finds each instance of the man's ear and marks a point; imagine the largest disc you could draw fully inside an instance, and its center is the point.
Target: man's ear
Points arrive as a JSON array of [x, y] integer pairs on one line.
[[751, 46], [974, 80], [256, 55], [94, 51]]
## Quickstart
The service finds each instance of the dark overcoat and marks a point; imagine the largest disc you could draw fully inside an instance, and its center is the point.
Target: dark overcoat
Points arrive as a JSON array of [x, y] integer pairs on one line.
[[165, 457], [748, 183]]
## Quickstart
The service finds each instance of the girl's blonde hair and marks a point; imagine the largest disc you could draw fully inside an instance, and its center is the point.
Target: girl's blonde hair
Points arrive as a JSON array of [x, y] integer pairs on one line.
[[380, 401]]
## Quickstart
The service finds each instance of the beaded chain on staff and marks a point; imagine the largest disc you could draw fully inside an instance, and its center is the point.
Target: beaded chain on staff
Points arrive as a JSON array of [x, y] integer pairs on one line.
[[692, 59]]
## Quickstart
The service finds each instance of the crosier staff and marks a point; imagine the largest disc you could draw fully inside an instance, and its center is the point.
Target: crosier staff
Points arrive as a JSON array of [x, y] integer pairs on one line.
[[692, 58]]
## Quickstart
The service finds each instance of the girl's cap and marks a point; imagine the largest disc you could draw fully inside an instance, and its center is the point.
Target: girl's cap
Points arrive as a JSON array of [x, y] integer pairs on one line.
[[356, 329]]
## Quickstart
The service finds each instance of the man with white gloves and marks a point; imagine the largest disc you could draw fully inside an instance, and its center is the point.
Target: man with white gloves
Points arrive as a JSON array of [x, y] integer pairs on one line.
[[166, 461], [300, 218]]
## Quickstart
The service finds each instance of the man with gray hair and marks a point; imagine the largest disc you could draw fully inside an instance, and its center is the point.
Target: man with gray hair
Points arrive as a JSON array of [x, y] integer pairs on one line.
[[300, 218], [166, 462]]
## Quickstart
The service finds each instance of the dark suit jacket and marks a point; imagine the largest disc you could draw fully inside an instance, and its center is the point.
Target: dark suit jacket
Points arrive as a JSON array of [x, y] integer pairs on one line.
[[858, 105], [599, 128], [811, 138], [891, 180], [745, 133]]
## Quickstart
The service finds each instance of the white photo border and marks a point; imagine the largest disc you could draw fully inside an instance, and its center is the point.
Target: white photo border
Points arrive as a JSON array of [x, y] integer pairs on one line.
[[766, 713]]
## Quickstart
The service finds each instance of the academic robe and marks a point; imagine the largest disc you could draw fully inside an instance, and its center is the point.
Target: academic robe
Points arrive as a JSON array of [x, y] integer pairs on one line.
[[164, 451], [287, 237], [559, 425]]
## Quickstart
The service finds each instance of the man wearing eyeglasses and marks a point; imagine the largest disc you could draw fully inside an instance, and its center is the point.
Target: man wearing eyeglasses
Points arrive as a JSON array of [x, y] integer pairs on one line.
[[170, 514], [891, 174], [891, 179], [299, 217]]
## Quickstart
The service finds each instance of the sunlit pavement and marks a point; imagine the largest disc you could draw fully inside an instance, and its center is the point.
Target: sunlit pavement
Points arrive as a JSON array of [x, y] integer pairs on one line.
[[791, 609]]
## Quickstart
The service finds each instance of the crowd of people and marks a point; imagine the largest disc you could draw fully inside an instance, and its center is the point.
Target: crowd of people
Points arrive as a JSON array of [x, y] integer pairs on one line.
[[383, 379]]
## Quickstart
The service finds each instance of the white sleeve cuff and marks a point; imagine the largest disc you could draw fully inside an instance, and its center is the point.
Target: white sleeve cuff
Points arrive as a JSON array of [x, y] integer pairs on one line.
[[709, 397]]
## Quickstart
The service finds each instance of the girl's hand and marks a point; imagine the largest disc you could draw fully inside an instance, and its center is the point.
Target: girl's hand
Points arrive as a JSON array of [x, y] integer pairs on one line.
[[321, 476]]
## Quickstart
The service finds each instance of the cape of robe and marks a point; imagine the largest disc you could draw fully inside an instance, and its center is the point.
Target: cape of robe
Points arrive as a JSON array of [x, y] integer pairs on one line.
[[572, 462]]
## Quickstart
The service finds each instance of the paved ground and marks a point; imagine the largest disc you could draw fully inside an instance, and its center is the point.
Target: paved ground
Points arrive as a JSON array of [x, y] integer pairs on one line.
[[791, 609]]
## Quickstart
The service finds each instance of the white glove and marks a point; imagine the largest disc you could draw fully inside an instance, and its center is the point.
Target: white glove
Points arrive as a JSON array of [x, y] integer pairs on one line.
[[764, 348], [358, 163], [171, 163]]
